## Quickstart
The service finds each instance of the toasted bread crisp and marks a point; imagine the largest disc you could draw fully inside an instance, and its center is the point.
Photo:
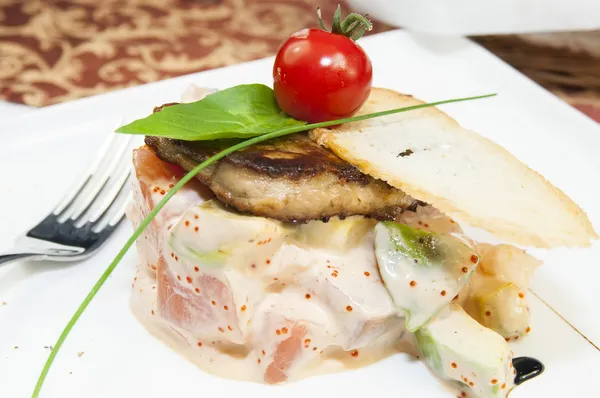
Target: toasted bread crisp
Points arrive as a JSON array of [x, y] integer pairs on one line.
[[428, 155]]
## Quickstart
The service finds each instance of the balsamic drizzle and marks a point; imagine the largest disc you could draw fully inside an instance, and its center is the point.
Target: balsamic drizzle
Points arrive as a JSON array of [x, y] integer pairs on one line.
[[527, 368]]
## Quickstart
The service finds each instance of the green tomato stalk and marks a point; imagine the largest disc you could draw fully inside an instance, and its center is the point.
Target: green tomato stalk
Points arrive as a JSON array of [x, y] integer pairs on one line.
[[353, 27]]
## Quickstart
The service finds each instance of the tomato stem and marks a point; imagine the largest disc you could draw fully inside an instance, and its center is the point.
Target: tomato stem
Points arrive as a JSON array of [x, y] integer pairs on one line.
[[353, 26]]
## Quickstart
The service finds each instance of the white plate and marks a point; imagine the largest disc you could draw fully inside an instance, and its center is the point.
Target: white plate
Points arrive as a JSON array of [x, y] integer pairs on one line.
[[12, 109], [42, 153]]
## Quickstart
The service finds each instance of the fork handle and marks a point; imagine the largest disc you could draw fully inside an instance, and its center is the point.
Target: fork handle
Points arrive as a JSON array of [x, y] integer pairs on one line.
[[6, 258]]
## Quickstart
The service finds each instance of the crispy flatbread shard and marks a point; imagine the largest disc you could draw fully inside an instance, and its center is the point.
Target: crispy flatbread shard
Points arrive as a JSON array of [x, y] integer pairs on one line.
[[428, 155]]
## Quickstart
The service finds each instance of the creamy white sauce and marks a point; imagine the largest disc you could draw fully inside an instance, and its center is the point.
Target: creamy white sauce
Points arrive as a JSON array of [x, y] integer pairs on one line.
[[273, 284], [339, 339]]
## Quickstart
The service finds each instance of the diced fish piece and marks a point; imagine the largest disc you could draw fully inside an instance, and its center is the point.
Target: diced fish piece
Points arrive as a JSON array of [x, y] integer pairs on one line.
[[500, 306], [497, 296], [508, 263], [430, 219], [198, 303], [154, 178]]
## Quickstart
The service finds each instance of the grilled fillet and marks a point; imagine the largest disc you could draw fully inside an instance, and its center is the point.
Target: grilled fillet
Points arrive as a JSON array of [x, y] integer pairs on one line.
[[289, 179]]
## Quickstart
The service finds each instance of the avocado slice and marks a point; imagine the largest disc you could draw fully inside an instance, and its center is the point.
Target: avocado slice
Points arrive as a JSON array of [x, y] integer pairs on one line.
[[212, 236], [336, 234], [423, 271], [459, 349]]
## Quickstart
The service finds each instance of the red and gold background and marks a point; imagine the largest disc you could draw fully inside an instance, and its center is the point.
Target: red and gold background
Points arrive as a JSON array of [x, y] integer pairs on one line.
[[53, 51]]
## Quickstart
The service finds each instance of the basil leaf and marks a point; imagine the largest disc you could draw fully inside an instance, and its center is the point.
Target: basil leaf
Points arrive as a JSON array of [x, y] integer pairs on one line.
[[242, 111]]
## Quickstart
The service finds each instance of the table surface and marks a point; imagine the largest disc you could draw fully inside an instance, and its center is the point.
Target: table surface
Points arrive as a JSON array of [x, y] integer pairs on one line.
[[61, 51]]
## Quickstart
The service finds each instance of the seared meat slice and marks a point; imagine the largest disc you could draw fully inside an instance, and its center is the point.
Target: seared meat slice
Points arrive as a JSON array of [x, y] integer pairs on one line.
[[289, 179]]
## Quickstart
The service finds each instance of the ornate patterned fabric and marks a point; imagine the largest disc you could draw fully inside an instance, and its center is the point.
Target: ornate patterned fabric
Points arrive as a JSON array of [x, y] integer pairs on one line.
[[57, 50], [54, 50]]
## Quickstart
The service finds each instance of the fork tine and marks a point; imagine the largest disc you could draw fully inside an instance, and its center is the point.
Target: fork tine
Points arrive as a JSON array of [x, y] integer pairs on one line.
[[112, 220], [85, 179], [111, 196], [120, 214], [89, 198]]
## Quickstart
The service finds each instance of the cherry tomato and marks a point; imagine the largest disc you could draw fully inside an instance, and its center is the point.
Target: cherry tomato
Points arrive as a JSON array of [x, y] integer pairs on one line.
[[321, 76]]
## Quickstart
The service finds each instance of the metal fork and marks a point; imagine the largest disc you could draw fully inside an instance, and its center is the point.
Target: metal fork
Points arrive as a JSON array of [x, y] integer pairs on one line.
[[87, 215]]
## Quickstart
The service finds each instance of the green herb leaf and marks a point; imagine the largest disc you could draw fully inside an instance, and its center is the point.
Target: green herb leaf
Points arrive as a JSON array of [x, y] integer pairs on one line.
[[191, 174], [242, 111]]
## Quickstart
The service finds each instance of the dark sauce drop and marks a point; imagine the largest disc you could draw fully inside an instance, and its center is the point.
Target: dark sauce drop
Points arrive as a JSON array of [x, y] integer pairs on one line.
[[527, 368]]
